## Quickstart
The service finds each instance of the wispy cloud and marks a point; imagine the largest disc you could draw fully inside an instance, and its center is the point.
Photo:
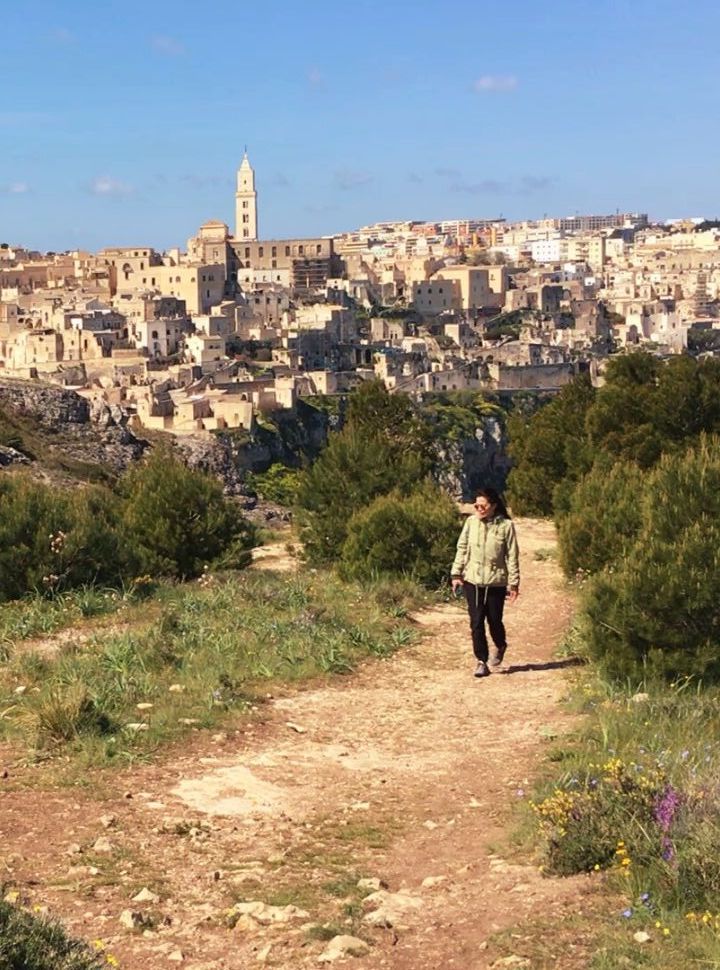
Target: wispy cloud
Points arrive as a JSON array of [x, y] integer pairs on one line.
[[15, 188], [483, 187], [278, 181], [105, 186], [169, 46], [447, 173], [315, 77], [527, 185], [206, 181], [414, 177], [321, 209], [348, 179], [488, 83]]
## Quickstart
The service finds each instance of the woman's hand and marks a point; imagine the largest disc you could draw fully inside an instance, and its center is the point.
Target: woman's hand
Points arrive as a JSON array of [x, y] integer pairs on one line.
[[513, 594], [456, 584]]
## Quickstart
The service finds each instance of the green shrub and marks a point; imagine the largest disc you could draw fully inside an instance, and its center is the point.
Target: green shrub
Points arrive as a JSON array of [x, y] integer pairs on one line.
[[412, 534], [548, 447], [278, 484], [603, 517], [52, 539], [28, 942], [656, 613], [638, 796], [60, 714], [177, 521], [352, 471], [603, 819]]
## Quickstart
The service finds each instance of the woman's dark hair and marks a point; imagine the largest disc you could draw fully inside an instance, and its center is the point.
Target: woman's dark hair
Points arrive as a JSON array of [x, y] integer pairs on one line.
[[494, 498]]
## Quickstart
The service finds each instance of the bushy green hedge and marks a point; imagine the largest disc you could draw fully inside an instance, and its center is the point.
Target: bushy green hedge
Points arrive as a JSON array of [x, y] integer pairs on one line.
[[383, 446], [51, 540], [603, 517], [278, 484], [164, 520], [412, 534], [654, 611], [176, 520]]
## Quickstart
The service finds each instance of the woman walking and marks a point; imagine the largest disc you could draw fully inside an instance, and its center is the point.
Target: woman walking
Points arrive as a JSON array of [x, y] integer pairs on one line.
[[486, 567]]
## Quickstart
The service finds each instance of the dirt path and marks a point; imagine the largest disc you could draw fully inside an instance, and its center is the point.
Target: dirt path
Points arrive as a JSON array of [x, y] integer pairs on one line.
[[403, 773]]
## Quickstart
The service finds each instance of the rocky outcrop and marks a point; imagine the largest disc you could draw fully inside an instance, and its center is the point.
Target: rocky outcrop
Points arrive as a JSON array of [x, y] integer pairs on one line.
[[59, 422], [11, 456], [292, 437], [469, 463], [52, 407]]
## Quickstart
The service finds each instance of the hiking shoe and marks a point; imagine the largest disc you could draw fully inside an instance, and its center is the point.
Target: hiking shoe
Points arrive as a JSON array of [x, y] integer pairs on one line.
[[482, 669], [497, 657]]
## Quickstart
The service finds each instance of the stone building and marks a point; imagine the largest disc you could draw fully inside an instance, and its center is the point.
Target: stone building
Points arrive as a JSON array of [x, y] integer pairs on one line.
[[246, 215]]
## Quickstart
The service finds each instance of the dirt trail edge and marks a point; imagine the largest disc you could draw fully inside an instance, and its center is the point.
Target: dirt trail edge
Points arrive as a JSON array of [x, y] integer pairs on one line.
[[402, 774]]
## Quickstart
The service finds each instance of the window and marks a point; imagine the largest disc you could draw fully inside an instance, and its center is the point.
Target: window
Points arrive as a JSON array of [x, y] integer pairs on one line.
[[245, 205], [301, 250], [318, 249], [245, 233], [261, 251], [246, 218], [273, 251], [287, 250], [274, 264]]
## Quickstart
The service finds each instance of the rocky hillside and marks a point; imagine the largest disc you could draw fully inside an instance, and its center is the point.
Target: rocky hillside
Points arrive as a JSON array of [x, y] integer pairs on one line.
[[58, 433]]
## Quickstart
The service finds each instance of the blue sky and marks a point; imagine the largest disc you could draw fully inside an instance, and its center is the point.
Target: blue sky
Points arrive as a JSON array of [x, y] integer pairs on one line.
[[122, 123]]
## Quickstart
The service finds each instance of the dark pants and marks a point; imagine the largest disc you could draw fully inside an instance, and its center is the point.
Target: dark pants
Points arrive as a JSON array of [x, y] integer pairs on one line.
[[486, 602]]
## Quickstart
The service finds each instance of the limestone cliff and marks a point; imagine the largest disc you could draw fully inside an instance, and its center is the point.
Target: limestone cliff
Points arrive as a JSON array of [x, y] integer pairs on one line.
[[474, 461], [58, 430], [289, 438]]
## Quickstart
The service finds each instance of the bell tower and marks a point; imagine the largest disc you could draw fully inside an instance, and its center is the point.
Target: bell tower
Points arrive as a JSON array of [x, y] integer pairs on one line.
[[246, 222]]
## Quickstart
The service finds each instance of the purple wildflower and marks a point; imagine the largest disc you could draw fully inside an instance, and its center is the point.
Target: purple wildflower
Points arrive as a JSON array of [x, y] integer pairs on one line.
[[666, 806], [627, 913], [644, 897]]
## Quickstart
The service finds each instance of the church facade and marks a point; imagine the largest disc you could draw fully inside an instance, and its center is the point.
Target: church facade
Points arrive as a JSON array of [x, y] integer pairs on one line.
[[302, 265]]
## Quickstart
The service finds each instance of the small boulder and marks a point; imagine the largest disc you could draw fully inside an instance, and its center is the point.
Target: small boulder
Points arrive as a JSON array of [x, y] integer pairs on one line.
[[343, 946], [132, 920], [373, 884], [103, 845], [146, 896], [429, 882]]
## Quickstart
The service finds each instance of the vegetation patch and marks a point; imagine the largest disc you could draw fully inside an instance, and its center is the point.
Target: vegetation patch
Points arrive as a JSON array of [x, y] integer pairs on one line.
[[210, 650], [29, 941], [634, 798]]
